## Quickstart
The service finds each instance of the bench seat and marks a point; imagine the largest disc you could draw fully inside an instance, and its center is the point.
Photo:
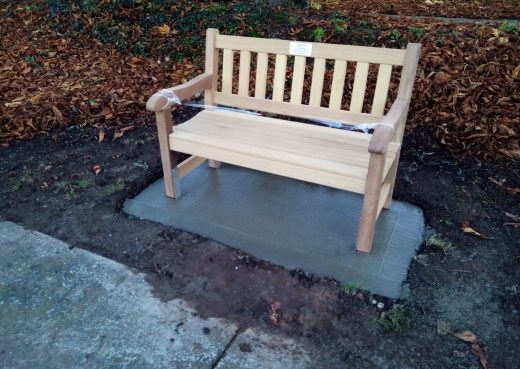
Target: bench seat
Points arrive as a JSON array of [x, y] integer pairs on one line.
[[322, 155]]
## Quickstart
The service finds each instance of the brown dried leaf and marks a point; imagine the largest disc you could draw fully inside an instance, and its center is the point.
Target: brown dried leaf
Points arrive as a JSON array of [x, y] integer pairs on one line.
[[97, 169], [477, 350], [466, 336], [467, 229], [101, 135]]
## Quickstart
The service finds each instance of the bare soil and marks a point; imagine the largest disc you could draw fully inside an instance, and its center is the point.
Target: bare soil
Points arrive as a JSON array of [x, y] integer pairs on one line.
[[49, 184]]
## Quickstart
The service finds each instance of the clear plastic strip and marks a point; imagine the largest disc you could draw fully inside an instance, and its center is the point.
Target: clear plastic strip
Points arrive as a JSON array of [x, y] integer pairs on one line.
[[173, 99]]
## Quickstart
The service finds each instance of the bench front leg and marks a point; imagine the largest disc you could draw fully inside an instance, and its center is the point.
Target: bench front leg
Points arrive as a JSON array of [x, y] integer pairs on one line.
[[370, 210], [168, 157]]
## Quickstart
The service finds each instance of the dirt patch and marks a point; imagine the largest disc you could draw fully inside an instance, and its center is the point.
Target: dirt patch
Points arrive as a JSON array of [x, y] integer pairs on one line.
[[49, 184]]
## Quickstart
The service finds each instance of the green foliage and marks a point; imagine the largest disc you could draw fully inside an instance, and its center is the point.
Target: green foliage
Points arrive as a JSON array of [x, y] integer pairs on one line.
[[418, 31], [119, 185], [339, 22], [318, 34], [348, 288], [315, 5], [395, 319], [506, 27], [394, 35], [27, 176], [71, 189], [29, 58], [437, 241], [140, 164]]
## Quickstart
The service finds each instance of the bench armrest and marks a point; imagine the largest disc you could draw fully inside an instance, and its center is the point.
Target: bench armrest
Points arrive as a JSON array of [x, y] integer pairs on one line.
[[384, 132], [159, 101]]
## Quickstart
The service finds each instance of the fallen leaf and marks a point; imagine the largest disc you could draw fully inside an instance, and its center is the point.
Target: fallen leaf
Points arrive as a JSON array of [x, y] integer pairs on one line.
[[97, 169], [467, 229], [466, 336], [275, 315], [515, 217], [514, 191], [477, 350], [496, 181], [516, 225], [120, 132], [164, 29], [443, 327], [101, 135]]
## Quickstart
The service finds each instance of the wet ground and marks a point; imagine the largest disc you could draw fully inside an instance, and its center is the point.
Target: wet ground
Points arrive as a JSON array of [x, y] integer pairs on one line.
[[49, 184]]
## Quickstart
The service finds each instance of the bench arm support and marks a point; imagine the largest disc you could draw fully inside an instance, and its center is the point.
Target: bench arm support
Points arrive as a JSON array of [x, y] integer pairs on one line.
[[388, 126], [159, 101]]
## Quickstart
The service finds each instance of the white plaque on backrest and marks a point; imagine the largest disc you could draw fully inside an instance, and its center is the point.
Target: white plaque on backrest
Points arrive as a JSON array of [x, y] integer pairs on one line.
[[300, 48]]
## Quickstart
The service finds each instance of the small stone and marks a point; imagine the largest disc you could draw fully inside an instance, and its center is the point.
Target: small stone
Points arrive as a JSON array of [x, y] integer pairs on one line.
[[206, 330], [245, 347], [374, 301], [380, 305]]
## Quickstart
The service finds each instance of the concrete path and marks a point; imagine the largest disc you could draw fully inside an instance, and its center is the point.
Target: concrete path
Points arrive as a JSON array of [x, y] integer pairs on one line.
[[68, 308]]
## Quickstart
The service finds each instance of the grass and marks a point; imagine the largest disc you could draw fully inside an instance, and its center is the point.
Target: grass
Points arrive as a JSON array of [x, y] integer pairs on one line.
[[119, 185], [140, 164], [27, 176], [348, 288], [395, 319], [71, 189], [437, 241]]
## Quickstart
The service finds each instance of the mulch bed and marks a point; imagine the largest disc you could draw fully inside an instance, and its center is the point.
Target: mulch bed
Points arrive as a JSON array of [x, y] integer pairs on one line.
[[486, 9], [97, 66]]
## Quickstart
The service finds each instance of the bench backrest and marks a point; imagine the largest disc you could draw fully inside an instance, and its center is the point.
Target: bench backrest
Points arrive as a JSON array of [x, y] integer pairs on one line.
[[268, 89]]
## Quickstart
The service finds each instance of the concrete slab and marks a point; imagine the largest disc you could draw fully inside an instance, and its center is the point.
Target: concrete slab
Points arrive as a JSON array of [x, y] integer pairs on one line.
[[62, 308], [290, 223], [252, 348]]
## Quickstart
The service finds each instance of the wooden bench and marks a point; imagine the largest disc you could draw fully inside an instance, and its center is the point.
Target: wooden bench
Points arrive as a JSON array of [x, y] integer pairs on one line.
[[358, 162]]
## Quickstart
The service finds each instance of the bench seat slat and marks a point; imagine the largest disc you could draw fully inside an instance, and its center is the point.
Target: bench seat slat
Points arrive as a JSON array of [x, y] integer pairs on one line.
[[233, 138]]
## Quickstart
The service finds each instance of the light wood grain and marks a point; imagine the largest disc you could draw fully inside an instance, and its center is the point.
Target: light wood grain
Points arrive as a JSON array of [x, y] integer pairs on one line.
[[168, 158], [286, 108], [358, 90], [190, 164], [319, 50], [371, 201], [262, 62], [382, 85], [227, 71], [298, 79], [243, 76], [338, 84], [280, 70], [211, 64], [318, 75]]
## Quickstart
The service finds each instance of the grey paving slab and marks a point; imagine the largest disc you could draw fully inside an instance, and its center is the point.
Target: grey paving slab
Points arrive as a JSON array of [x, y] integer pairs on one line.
[[69, 308], [253, 348], [290, 223]]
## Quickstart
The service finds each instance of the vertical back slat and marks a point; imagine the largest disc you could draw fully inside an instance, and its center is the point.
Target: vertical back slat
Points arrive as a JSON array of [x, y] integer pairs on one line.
[[382, 85], [227, 72], [338, 84], [280, 70], [298, 79], [212, 58], [360, 85], [243, 76], [261, 75], [318, 74]]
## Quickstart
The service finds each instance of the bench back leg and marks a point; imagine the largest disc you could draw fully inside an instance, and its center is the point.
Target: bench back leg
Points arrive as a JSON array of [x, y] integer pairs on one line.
[[371, 199], [168, 157]]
